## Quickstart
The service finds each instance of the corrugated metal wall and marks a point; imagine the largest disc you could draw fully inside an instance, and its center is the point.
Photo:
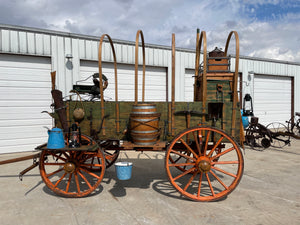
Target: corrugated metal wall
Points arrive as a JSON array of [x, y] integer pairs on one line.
[[28, 41], [257, 66]]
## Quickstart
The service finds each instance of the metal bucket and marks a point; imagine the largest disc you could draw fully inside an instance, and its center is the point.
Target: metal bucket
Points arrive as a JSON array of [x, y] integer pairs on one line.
[[55, 139], [245, 120], [123, 170], [144, 124]]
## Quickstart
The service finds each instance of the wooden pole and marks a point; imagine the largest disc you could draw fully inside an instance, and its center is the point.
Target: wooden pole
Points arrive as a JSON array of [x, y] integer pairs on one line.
[[197, 63], [173, 85], [139, 33], [235, 78], [101, 83]]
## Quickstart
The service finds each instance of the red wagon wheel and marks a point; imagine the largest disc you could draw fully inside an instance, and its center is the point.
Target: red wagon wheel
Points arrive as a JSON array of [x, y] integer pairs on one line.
[[210, 164], [72, 173]]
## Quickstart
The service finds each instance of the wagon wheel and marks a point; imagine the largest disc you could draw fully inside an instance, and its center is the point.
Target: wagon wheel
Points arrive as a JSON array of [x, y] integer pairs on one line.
[[111, 154], [213, 169], [110, 157], [279, 141], [72, 173], [86, 140]]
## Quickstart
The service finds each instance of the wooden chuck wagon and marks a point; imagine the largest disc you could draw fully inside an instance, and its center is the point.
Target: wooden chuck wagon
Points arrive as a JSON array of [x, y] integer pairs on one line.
[[200, 139]]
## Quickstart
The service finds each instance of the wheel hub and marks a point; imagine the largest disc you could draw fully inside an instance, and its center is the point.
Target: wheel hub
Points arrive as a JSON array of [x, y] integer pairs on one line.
[[204, 165], [69, 167]]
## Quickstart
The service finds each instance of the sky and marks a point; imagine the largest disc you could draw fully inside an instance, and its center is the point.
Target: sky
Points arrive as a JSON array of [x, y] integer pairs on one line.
[[266, 28]]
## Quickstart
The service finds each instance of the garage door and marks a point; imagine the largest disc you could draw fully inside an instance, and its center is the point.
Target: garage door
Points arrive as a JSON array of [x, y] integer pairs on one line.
[[272, 98], [189, 80], [155, 89], [24, 93]]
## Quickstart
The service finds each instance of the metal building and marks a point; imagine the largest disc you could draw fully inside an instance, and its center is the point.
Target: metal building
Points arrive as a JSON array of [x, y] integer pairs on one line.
[[28, 55]]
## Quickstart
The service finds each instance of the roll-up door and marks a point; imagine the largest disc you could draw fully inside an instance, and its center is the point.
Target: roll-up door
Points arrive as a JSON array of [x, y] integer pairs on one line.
[[189, 79], [24, 94], [272, 99], [155, 84]]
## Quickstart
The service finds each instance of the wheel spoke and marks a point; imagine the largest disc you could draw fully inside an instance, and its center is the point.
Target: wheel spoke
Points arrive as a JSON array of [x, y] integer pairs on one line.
[[225, 162], [54, 164], [184, 173], [178, 159], [197, 142], [92, 162], [84, 178], [199, 185], [190, 181], [57, 156], [222, 153], [223, 171], [209, 183], [91, 165], [77, 182], [181, 164], [220, 181], [69, 182], [90, 173], [188, 147], [62, 177], [65, 154], [216, 145], [206, 142], [56, 171], [182, 155], [108, 153]]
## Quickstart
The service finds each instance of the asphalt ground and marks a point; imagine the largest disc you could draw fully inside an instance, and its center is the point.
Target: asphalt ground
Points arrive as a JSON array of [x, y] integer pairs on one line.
[[269, 193]]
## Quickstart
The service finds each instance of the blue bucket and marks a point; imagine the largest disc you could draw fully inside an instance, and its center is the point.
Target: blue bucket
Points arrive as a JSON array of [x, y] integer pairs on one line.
[[123, 170]]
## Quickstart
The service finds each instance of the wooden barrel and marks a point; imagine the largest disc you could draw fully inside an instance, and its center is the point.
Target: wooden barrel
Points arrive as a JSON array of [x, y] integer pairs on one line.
[[144, 124]]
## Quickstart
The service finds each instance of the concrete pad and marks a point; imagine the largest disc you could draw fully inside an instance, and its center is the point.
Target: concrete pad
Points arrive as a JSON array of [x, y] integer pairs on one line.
[[269, 193]]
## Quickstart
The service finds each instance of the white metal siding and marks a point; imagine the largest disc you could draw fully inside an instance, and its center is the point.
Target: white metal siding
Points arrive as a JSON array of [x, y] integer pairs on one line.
[[24, 93], [189, 85], [272, 98], [155, 84]]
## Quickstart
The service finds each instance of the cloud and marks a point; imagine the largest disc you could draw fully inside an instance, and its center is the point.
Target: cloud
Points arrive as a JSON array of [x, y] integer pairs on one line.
[[261, 35]]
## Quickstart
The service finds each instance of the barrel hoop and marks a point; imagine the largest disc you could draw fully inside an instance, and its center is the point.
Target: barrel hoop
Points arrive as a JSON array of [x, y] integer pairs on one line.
[[144, 139], [144, 107], [144, 113], [145, 143], [144, 120], [144, 132]]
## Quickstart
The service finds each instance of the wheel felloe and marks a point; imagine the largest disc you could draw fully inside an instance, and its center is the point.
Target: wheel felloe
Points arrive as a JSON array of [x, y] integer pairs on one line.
[[206, 168]]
